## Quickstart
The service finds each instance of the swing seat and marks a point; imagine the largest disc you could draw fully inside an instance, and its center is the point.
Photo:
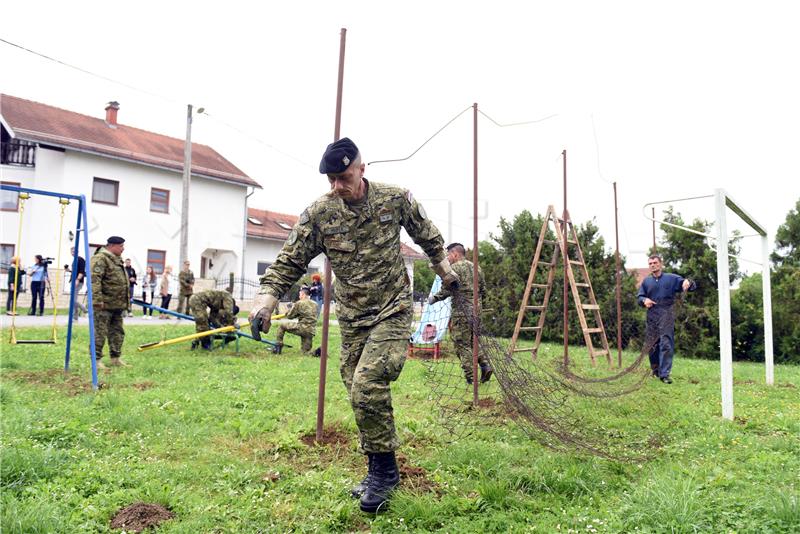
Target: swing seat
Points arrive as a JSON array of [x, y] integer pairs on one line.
[[34, 342]]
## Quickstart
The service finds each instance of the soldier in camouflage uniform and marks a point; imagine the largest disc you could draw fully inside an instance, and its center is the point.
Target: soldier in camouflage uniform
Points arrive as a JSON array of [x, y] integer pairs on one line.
[[357, 225], [109, 299], [186, 280], [300, 321], [212, 306], [463, 318]]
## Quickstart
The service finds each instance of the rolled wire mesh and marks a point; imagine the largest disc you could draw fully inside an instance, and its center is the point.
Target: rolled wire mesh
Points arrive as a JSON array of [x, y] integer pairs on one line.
[[545, 397]]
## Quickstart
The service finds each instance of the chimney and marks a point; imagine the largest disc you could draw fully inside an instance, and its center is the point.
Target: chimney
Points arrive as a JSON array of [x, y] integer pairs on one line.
[[111, 113]]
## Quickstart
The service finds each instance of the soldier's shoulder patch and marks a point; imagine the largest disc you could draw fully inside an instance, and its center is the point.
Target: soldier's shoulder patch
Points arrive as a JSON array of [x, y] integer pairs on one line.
[[97, 268], [409, 197], [304, 217], [292, 239], [421, 211]]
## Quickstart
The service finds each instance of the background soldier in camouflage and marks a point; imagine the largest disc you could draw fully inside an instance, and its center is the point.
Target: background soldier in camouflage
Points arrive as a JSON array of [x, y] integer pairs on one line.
[[300, 321], [186, 280], [212, 306], [357, 225], [463, 317], [109, 299]]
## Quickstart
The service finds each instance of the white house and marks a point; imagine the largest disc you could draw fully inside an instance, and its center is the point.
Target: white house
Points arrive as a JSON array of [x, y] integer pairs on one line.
[[266, 232], [132, 180]]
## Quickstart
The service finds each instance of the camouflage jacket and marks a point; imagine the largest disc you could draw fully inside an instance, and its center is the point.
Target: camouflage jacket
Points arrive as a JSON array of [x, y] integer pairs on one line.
[[186, 280], [305, 311], [463, 268], [220, 302], [110, 283], [363, 247]]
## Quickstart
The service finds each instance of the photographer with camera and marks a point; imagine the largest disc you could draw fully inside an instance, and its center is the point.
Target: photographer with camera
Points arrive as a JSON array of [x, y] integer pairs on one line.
[[38, 276]]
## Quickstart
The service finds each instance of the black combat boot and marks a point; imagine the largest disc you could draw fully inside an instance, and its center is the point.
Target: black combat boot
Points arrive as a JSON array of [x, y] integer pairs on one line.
[[358, 490], [277, 348], [205, 342], [385, 477], [486, 372]]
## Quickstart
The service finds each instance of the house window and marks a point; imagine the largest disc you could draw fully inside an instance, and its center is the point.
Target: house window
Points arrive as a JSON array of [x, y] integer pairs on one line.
[[159, 200], [6, 253], [105, 191], [9, 201], [262, 267], [156, 259]]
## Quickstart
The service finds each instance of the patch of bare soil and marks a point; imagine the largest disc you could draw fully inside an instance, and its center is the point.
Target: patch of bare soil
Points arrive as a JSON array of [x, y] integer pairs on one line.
[[744, 382], [141, 386], [68, 383], [694, 381], [415, 478], [787, 385], [331, 436], [740, 420], [139, 516]]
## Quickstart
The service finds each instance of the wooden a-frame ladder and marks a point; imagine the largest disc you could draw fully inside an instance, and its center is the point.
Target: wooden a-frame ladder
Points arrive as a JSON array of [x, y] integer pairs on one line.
[[578, 284]]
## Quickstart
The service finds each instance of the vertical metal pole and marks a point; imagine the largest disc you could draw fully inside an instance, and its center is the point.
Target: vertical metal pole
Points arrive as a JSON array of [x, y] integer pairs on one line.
[[723, 284], [187, 179], [475, 295], [73, 283], [618, 281], [654, 251], [564, 250], [326, 307], [766, 292], [89, 301]]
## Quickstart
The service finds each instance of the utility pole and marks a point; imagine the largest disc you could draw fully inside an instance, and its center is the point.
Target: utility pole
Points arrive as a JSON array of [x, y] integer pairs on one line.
[[187, 179]]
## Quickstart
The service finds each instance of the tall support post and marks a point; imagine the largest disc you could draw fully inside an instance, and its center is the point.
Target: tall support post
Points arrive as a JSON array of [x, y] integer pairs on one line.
[[187, 179], [766, 291], [723, 283], [618, 282], [326, 305], [565, 255], [73, 283], [475, 295]]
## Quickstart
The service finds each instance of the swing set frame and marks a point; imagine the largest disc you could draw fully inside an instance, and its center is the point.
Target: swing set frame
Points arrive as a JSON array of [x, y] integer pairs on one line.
[[81, 229]]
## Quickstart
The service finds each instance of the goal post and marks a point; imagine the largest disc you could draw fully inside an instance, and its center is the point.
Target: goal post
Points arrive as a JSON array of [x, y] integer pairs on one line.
[[723, 202]]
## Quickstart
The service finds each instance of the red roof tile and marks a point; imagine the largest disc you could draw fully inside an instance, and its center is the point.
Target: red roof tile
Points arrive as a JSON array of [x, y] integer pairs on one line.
[[33, 121], [270, 227]]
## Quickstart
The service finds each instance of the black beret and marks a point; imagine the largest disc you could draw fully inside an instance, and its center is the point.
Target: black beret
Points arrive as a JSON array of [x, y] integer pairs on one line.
[[338, 156], [115, 240]]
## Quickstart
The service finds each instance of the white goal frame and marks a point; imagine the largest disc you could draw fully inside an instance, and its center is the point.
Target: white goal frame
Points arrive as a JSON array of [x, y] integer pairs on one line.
[[722, 201]]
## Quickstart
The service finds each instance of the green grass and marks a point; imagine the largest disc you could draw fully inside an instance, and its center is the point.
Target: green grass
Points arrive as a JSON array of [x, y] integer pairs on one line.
[[216, 437]]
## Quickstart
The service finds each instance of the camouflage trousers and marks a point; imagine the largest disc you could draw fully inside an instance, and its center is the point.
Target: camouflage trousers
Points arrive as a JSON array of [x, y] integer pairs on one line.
[[372, 357], [183, 302], [293, 327], [108, 325], [202, 318], [461, 334]]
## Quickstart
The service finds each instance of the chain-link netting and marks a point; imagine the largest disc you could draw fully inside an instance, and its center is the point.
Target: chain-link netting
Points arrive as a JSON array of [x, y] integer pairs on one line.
[[554, 398]]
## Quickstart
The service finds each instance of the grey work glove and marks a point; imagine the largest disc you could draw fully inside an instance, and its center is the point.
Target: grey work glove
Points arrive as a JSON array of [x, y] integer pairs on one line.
[[261, 314], [447, 274], [431, 300]]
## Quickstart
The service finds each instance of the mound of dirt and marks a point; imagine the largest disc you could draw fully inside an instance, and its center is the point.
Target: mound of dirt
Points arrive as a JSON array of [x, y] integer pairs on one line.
[[139, 516], [331, 435], [415, 478]]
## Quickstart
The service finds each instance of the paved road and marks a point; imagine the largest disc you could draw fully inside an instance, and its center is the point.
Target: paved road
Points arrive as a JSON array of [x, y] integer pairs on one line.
[[61, 320]]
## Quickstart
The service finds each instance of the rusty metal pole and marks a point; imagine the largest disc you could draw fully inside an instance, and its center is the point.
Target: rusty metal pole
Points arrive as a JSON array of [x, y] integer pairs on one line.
[[618, 281], [655, 250], [326, 306], [475, 253], [566, 264]]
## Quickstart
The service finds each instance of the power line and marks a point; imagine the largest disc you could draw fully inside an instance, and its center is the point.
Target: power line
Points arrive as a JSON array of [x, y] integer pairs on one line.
[[517, 123]]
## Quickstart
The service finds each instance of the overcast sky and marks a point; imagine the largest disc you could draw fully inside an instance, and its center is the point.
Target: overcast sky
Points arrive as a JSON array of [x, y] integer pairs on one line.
[[670, 100]]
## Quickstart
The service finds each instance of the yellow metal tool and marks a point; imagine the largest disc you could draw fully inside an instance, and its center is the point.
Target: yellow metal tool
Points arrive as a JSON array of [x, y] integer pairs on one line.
[[198, 335]]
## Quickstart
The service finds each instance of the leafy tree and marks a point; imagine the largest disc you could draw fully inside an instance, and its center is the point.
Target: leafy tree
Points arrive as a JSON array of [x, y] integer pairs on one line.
[[747, 320], [786, 289], [787, 241], [423, 279]]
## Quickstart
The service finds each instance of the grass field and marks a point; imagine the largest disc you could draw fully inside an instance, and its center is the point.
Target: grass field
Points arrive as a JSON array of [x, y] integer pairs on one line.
[[222, 441]]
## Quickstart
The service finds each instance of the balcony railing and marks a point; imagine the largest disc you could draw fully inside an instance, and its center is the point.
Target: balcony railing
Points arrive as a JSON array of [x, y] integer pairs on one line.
[[17, 152]]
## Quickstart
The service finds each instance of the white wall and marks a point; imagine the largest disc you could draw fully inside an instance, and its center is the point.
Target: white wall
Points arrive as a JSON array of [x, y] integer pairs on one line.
[[216, 212]]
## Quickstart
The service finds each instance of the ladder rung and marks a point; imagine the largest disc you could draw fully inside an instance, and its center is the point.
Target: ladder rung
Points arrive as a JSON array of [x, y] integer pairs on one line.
[[576, 262], [581, 284], [538, 285], [525, 349], [593, 330], [571, 242], [600, 353], [550, 242], [534, 307], [529, 328], [590, 306]]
